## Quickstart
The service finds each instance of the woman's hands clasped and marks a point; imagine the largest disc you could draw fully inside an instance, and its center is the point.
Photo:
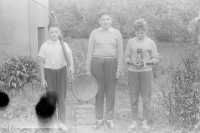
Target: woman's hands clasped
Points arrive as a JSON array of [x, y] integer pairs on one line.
[[136, 64]]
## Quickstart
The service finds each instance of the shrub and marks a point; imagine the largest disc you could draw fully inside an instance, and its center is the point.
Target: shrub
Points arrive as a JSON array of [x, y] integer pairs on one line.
[[123, 81], [80, 58], [181, 94], [161, 69], [18, 71], [167, 29], [157, 69]]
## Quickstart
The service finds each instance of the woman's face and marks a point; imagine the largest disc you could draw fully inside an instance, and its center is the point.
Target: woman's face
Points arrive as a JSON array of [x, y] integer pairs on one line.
[[105, 21], [140, 34]]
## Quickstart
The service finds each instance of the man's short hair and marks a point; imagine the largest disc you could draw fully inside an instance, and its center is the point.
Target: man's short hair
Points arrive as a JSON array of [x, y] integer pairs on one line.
[[104, 12], [53, 25]]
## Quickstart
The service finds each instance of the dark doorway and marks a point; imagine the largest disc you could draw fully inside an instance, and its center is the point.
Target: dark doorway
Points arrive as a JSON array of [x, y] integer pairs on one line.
[[41, 36]]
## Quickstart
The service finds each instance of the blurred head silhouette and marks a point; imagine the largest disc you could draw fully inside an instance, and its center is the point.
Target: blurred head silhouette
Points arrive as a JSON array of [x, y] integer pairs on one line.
[[46, 107], [4, 100]]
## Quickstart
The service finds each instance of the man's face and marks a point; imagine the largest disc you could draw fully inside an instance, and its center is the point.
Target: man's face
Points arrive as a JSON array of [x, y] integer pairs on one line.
[[54, 33], [105, 21], [140, 34]]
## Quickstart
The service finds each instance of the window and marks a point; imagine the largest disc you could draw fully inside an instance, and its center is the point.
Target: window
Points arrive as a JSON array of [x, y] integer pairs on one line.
[[41, 36]]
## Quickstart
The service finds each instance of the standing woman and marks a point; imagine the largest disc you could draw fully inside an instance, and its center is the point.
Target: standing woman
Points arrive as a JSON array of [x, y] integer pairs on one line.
[[104, 62], [141, 54]]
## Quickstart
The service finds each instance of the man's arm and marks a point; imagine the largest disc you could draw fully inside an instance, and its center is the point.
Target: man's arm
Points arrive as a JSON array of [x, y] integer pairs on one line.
[[71, 67], [89, 53], [70, 58], [42, 73]]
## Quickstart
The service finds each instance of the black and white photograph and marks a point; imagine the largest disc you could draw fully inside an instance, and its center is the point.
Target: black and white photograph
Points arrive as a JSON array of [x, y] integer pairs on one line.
[[99, 66]]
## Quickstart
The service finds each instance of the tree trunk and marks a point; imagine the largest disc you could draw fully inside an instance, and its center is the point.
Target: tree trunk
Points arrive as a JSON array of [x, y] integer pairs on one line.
[[121, 25]]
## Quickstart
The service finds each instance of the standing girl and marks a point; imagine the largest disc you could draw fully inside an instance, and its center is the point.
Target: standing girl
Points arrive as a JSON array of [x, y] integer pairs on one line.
[[104, 62], [141, 54]]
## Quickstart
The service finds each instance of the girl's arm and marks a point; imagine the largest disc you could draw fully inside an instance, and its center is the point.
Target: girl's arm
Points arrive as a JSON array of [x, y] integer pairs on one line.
[[155, 56]]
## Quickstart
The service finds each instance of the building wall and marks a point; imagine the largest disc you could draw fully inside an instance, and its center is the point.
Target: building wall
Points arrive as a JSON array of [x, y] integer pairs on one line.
[[14, 37], [19, 22], [38, 17]]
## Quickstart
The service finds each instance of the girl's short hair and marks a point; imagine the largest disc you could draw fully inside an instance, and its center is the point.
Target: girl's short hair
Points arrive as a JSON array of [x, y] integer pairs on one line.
[[52, 24], [104, 12], [140, 24]]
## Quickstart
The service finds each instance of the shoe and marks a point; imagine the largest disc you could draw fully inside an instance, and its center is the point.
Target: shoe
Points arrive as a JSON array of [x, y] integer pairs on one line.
[[55, 126], [98, 124], [110, 124], [63, 127], [132, 126], [145, 125]]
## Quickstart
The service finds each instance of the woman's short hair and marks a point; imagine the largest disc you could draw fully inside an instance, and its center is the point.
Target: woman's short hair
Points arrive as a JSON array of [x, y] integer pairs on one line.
[[140, 24], [104, 12]]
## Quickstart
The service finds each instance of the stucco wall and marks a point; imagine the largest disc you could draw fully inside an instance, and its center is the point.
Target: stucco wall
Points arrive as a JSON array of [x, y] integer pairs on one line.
[[38, 17], [19, 22], [14, 37]]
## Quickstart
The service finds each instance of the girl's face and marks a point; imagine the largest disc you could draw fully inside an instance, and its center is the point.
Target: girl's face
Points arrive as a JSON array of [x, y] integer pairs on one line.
[[105, 21], [140, 34]]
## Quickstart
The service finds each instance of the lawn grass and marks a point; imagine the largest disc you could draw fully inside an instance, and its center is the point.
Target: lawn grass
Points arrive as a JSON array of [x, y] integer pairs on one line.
[[21, 108]]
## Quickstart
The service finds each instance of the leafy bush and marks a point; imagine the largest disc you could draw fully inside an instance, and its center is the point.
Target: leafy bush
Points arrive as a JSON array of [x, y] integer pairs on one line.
[[157, 71], [167, 29], [18, 71], [181, 94], [80, 57], [167, 19], [161, 69], [194, 29]]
